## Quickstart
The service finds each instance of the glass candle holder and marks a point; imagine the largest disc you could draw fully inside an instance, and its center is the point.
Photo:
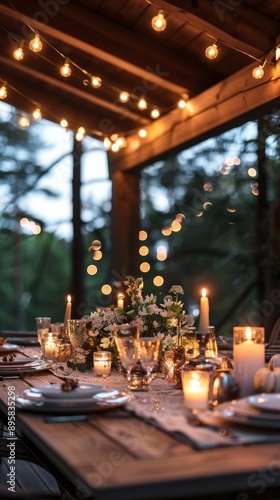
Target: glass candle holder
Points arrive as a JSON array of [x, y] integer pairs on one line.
[[249, 356], [47, 344], [196, 388], [102, 361]]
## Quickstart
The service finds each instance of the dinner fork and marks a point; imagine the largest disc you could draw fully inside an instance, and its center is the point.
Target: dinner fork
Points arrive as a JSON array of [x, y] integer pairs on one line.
[[222, 430]]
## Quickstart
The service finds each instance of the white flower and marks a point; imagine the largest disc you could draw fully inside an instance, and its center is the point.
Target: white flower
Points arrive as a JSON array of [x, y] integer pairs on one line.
[[176, 289]]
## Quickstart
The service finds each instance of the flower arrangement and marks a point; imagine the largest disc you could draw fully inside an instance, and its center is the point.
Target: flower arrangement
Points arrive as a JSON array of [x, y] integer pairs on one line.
[[164, 320]]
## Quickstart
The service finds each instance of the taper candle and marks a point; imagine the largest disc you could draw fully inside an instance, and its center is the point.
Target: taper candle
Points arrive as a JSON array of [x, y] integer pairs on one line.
[[204, 312], [67, 311]]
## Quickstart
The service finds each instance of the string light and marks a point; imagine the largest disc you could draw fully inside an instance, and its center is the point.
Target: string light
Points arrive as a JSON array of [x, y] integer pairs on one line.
[[23, 121], [64, 123], [95, 82], [212, 50], [65, 70], [142, 104], [3, 91], [124, 96], [18, 53], [80, 134], [159, 22], [258, 71], [35, 44], [142, 133], [155, 113], [37, 115]]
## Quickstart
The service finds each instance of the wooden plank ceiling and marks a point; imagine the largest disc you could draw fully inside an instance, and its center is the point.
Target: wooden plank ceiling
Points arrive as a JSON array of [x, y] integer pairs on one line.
[[114, 41]]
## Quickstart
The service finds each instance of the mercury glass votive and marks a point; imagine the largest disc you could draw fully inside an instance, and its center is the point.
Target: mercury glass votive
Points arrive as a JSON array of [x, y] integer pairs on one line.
[[47, 343], [249, 356], [102, 361]]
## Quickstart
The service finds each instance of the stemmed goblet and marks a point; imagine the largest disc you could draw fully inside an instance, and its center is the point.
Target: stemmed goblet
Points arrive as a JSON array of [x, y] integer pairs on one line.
[[128, 352], [148, 348]]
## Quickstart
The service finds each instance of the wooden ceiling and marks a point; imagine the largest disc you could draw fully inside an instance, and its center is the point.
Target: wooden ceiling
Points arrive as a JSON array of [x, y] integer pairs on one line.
[[114, 40]]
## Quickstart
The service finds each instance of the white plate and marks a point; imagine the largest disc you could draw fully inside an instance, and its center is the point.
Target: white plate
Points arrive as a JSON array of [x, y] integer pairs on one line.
[[17, 361], [4, 349], [53, 391], [265, 402], [113, 399], [240, 412]]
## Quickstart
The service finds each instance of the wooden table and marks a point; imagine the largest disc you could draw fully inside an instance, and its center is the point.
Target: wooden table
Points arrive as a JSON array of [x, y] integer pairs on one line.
[[116, 458]]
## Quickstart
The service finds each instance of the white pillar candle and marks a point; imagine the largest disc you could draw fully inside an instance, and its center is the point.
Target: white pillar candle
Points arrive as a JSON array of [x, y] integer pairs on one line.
[[102, 363], [196, 385], [67, 310], [249, 356], [204, 313]]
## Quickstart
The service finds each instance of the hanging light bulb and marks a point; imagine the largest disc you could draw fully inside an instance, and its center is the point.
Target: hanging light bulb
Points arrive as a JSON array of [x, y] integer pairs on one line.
[[64, 123], [18, 53], [3, 91], [95, 82], [155, 113], [35, 44], [23, 121], [142, 133], [258, 71], [159, 22], [121, 142], [37, 115], [107, 143], [115, 148], [212, 51], [277, 54], [124, 96], [142, 103], [80, 134], [65, 70]]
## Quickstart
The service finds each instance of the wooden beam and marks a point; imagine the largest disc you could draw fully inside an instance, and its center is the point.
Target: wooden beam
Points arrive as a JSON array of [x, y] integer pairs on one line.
[[218, 105], [113, 44]]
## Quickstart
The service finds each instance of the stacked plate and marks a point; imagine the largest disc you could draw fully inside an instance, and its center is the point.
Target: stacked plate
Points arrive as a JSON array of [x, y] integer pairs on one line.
[[85, 398], [21, 365], [260, 410]]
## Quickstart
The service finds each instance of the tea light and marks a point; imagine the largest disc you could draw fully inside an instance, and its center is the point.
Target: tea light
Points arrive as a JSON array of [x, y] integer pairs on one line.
[[102, 363], [249, 356], [196, 384]]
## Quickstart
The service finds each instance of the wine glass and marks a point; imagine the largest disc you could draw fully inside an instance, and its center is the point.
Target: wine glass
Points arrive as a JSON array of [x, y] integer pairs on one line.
[[149, 354], [62, 350], [128, 352]]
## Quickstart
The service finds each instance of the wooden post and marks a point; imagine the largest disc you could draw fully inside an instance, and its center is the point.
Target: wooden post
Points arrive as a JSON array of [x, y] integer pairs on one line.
[[125, 224], [77, 245]]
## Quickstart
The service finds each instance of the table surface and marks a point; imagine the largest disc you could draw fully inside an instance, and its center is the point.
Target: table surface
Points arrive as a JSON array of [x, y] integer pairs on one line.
[[130, 458]]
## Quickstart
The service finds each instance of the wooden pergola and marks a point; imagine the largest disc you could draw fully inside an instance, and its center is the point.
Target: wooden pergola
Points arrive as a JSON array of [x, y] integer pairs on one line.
[[114, 41]]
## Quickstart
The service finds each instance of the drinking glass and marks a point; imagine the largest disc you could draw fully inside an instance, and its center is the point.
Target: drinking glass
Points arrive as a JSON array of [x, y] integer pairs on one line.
[[77, 332], [148, 353], [128, 352], [43, 326]]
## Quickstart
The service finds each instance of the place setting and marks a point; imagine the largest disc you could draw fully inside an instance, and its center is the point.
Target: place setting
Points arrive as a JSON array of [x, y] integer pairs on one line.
[[71, 397]]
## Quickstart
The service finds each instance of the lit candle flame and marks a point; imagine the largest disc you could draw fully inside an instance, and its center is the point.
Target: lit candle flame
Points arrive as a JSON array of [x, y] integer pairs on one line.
[[248, 333], [203, 293], [68, 298]]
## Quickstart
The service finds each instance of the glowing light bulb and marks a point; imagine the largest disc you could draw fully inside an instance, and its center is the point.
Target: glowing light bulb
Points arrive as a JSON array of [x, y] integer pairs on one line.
[[121, 142], [258, 72], [155, 113], [95, 82], [3, 92], [80, 134], [107, 143], [65, 70], [18, 53], [23, 121], [115, 148], [35, 44], [64, 123], [142, 103], [277, 53], [124, 96], [142, 132], [212, 51], [159, 22], [37, 115]]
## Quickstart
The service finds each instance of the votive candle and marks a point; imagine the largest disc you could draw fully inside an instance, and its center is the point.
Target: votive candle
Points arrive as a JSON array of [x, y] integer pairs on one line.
[[196, 384], [102, 363]]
